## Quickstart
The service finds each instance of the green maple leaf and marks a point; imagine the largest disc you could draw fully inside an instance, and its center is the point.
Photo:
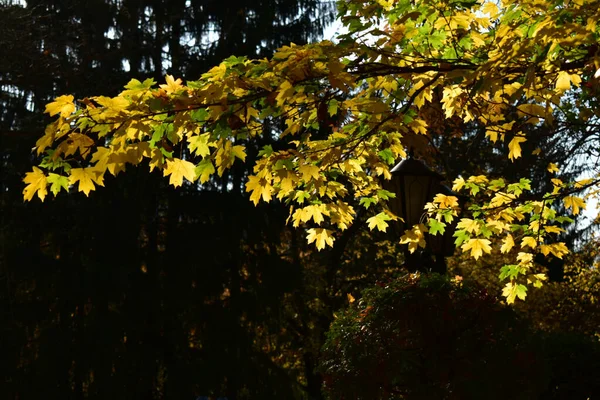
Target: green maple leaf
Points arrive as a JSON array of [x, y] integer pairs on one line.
[[367, 201], [511, 291], [436, 226], [378, 221], [461, 236], [332, 107], [58, 182], [205, 169]]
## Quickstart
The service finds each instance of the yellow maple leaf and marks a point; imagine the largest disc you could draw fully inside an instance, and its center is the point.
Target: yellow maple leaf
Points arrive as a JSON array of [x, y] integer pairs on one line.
[[557, 182], [217, 73], [239, 152], [100, 157], [507, 244], [135, 153], [43, 142], [286, 89], [446, 201], [86, 178], [563, 81], [513, 290], [458, 184], [492, 133], [157, 160], [525, 259], [321, 237], [491, 9], [75, 142], [179, 169], [37, 183], [260, 187], [62, 105], [553, 229], [418, 126], [299, 216], [529, 241], [53, 131], [584, 182], [469, 225], [199, 144], [477, 247], [379, 221], [479, 179], [575, 203], [552, 168], [309, 172], [172, 84], [515, 148], [557, 249], [532, 112], [204, 170], [501, 198], [314, 211], [414, 237], [496, 226], [113, 105], [424, 95], [286, 186], [341, 214], [115, 162]]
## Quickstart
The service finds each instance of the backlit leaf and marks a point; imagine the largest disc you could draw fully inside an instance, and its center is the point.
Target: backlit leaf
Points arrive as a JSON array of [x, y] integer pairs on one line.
[[529, 241], [513, 290], [507, 244], [436, 226], [260, 188], [204, 170], [309, 172], [58, 182], [321, 237], [36, 183], [379, 221], [178, 169], [477, 247], [62, 105], [469, 225], [86, 177], [574, 203], [514, 147], [198, 144]]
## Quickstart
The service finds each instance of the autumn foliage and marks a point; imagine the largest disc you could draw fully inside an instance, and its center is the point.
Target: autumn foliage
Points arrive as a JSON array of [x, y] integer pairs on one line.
[[349, 110]]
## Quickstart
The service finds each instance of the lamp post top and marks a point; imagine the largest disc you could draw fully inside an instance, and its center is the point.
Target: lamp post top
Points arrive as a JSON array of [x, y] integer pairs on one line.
[[411, 166]]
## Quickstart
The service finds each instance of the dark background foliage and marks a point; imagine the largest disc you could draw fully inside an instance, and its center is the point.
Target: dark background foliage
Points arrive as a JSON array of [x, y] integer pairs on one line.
[[433, 338], [141, 291]]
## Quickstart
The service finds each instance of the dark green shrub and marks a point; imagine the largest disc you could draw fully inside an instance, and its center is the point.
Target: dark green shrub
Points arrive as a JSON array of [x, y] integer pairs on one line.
[[426, 337]]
